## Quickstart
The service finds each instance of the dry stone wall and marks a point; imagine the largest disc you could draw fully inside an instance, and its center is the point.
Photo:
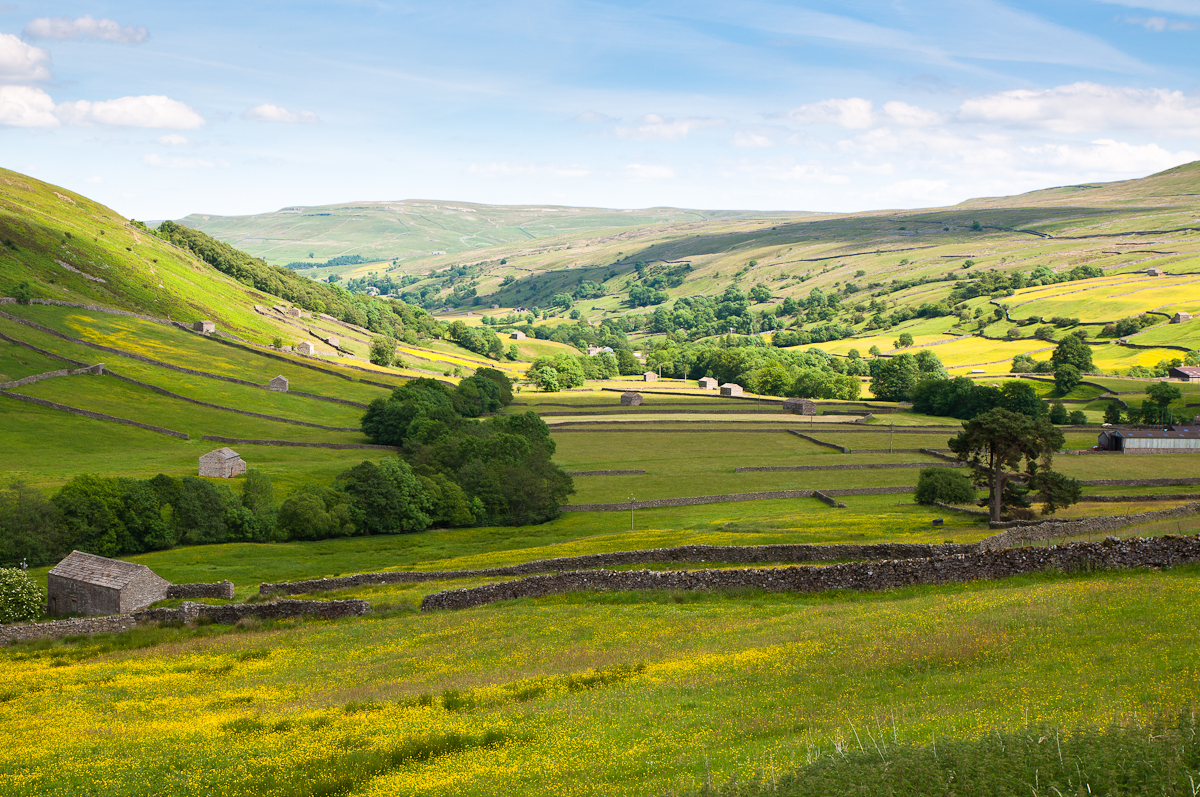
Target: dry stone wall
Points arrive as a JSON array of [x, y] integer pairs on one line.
[[99, 416], [1057, 530], [1155, 552], [218, 589], [29, 380], [607, 473], [730, 498], [41, 351], [883, 466], [727, 554], [227, 614], [339, 446], [812, 439]]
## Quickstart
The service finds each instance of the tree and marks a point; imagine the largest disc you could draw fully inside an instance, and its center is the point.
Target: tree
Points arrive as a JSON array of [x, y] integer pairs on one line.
[[562, 300], [546, 378], [904, 341], [874, 351], [383, 350], [315, 513], [944, 485], [627, 364], [760, 293], [997, 441], [1020, 397], [30, 527], [1066, 378], [1112, 412], [23, 293], [1163, 394], [21, 598], [1072, 351], [385, 498], [1077, 418], [1058, 413]]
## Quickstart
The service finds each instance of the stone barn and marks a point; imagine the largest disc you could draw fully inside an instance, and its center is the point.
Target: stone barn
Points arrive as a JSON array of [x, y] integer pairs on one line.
[[332, 341], [294, 312], [1181, 318], [730, 389], [708, 383], [207, 327], [650, 376], [305, 347], [1186, 373], [87, 584], [518, 336], [631, 399], [279, 384], [1154, 272], [224, 463], [800, 406]]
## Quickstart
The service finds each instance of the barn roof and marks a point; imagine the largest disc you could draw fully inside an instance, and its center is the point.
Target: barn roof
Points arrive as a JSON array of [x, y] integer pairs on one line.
[[221, 453], [1190, 370], [92, 569], [1179, 434]]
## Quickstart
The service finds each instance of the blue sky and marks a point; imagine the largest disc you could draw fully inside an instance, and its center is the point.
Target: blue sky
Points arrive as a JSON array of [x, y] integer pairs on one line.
[[164, 109]]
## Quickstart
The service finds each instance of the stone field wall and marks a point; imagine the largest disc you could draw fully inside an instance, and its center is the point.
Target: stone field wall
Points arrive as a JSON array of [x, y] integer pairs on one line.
[[1154, 552], [99, 416], [240, 441], [218, 589]]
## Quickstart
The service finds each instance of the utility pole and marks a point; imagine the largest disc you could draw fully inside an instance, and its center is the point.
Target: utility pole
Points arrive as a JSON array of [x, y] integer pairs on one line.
[[631, 511], [891, 431]]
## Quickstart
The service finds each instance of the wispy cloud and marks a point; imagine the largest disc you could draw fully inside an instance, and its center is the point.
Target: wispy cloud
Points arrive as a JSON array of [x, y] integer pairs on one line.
[[274, 113], [1088, 107], [1160, 24], [508, 169], [154, 111], [654, 126], [85, 27], [639, 171], [853, 113]]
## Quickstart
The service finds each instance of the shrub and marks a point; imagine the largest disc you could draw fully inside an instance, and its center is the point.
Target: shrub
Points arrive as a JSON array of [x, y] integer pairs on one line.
[[945, 485], [23, 293], [1078, 418], [20, 598]]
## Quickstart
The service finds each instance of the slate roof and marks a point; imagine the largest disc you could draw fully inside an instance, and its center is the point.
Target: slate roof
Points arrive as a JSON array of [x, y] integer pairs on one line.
[[1190, 370], [221, 453], [1179, 434], [92, 569]]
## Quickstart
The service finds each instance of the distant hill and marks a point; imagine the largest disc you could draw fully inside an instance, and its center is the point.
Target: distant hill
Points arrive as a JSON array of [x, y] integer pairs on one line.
[[416, 228]]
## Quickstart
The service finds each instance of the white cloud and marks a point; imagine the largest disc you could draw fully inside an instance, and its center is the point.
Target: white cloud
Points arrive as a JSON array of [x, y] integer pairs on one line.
[[273, 113], [1088, 107], [639, 171], [911, 115], [1106, 156], [158, 161], [1160, 24], [591, 117], [86, 27], [153, 111], [748, 140], [173, 140], [853, 113], [1189, 7], [21, 62], [22, 106], [653, 126]]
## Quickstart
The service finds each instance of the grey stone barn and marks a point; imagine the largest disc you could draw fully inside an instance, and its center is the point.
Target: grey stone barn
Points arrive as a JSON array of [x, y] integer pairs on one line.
[[304, 347], [650, 376], [800, 406], [279, 384], [224, 463], [631, 399], [87, 584], [518, 336], [708, 383], [207, 327], [730, 389]]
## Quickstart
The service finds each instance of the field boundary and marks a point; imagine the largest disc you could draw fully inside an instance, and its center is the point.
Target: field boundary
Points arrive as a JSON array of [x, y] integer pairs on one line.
[[242, 441], [1112, 554], [657, 503], [872, 466], [99, 416]]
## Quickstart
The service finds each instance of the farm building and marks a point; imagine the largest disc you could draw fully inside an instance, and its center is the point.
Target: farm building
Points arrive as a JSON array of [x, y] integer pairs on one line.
[[1180, 440], [800, 406], [207, 327], [631, 399], [279, 384], [332, 341], [730, 389], [1181, 318], [1186, 373], [87, 584], [708, 383], [1154, 272], [304, 347], [294, 312], [650, 376], [224, 463], [518, 336], [592, 351]]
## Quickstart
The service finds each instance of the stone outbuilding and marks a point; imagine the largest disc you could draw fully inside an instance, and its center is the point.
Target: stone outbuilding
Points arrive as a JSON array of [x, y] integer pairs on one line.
[[205, 327], [518, 336], [332, 341], [730, 389], [84, 583], [1154, 272], [1186, 373], [800, 406], [224, 463], [294, 312], [1180, 440], [304, 347], [1181, 318], [631, 399], [279, 384], [650, 376], [708, 383]]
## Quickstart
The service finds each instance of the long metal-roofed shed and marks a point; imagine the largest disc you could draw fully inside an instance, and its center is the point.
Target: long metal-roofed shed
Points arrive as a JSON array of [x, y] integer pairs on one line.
[[84, 583], [1182, 440]]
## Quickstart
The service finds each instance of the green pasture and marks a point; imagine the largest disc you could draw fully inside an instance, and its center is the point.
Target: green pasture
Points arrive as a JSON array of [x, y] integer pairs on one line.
[[669, 691], [1114, 358], [18, 362], [1185, 334], [1104, 299], [1131, 466]]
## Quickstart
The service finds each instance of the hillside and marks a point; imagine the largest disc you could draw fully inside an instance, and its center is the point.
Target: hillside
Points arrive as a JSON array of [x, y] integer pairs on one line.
[[379, 231]]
